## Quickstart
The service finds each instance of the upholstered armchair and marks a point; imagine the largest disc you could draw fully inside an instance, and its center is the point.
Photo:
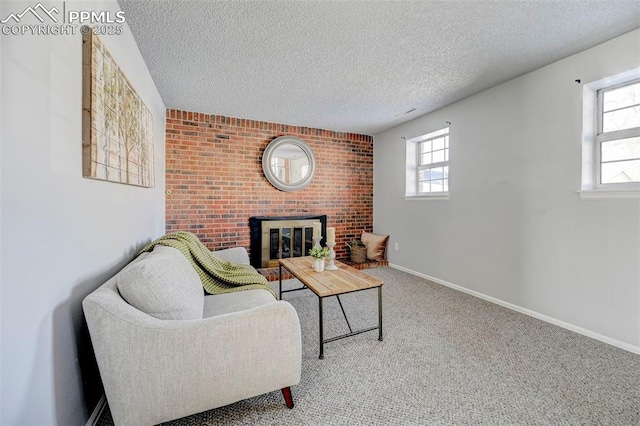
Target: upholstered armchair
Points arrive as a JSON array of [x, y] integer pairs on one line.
[[156, 368]]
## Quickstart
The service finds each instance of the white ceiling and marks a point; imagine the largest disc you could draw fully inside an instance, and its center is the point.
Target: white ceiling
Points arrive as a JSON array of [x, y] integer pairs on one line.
[[356, 66]]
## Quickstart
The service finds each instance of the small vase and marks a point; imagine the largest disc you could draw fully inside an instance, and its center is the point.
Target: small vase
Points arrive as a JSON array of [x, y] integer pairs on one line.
[[318, 265]]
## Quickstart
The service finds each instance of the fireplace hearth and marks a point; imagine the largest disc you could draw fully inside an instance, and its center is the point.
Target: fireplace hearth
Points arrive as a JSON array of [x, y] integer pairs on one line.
[[277, 237]]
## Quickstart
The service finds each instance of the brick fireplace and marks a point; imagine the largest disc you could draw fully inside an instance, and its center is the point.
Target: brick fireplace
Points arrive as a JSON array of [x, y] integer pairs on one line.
[[214, 179]]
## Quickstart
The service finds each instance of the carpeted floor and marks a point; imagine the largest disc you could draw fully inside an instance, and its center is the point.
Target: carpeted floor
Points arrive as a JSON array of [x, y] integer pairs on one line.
[[447, 359]]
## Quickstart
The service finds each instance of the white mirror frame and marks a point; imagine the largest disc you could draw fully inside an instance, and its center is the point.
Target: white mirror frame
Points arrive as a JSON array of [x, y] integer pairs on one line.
[[266, 163]]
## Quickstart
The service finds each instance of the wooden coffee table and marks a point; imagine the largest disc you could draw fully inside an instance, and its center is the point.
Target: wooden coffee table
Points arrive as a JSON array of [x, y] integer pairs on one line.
[[332, 283]]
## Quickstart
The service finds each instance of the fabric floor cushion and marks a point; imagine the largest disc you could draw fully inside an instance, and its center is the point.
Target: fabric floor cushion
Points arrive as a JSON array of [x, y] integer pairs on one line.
[[163, 285], [376, 245]]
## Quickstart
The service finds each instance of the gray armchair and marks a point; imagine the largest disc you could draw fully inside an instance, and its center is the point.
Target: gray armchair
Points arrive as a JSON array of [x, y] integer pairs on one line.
[[245, 344]]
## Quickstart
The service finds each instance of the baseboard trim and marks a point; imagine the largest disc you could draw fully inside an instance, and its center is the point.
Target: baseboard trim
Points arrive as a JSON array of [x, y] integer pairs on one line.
[[585, 332], [97, 412]]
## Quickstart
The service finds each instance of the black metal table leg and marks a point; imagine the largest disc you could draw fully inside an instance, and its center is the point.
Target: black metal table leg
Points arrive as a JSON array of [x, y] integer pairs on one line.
[[280, 283], [344, 313], [380, 313], [321, 329]]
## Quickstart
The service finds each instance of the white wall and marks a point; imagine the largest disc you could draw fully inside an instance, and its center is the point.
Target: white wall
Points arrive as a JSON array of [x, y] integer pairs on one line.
[[514, 228], [62, 235]]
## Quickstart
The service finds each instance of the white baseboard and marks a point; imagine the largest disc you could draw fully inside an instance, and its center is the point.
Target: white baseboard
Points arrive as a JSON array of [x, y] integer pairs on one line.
[[614, 342], [97, 412]]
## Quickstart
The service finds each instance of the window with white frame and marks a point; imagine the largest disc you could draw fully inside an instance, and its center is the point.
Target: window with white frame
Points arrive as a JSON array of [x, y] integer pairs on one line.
[[428, 164], [617, 150]]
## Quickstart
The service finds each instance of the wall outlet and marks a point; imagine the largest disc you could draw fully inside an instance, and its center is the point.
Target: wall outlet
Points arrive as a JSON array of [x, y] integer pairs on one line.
[[396, 246]]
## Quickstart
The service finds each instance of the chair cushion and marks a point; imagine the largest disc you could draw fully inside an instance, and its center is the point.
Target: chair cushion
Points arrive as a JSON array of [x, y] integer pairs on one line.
[[163, 285], [376, 245], [233, 255], [220, 304]]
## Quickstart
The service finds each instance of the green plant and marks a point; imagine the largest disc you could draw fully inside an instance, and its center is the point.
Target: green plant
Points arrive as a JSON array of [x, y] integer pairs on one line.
[[357, 243], [319, 252]]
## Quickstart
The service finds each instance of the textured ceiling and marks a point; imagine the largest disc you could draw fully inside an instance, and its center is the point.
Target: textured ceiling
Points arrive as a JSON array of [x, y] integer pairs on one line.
[[356, 66]]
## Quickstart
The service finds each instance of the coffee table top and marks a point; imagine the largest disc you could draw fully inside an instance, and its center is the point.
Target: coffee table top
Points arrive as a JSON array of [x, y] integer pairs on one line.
[[329, 283]]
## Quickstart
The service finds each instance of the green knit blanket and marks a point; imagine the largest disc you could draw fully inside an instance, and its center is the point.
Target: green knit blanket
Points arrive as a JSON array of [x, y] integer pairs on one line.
[[217, 275]]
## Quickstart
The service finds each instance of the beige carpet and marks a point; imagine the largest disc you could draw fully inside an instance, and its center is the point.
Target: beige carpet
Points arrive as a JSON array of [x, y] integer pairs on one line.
[[447, 359]]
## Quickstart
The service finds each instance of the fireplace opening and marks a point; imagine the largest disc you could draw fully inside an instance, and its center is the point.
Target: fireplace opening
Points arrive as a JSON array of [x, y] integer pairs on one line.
[[281, 237]]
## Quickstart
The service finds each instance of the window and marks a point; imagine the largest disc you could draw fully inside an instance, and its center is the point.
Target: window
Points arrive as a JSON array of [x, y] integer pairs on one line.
[[611, 137], [617, 147], [428, 165]]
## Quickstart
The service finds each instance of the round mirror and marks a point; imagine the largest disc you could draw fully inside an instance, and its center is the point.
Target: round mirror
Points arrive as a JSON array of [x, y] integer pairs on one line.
[[288, 163]]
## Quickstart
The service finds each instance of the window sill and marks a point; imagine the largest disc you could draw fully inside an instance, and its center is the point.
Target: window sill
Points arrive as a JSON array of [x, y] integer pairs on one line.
[[592, 194], [440, 196]]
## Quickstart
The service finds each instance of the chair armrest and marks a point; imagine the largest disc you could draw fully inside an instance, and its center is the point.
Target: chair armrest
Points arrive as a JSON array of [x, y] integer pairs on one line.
[[234, 255], [157, 370]]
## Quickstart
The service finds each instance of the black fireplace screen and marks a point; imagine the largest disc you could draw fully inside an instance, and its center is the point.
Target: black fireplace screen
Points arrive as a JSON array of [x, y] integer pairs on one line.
[[271, 240], [290, 242]]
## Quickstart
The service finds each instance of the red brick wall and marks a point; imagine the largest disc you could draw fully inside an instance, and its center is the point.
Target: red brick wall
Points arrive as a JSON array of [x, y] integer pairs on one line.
[[214, 179]]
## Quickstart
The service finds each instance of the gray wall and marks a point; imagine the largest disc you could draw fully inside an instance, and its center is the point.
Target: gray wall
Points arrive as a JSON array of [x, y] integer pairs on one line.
[[62, 235], [515, 230]]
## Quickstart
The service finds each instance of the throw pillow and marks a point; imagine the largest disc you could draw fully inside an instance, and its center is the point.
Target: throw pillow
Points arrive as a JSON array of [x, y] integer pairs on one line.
[[376, 245], [163, 285]]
